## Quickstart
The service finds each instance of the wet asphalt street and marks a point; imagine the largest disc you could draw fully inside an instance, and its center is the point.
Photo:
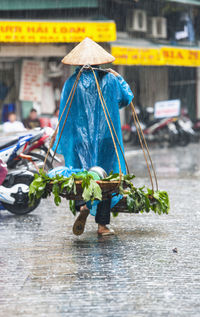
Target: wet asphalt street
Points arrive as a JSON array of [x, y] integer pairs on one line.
[[46, 271]]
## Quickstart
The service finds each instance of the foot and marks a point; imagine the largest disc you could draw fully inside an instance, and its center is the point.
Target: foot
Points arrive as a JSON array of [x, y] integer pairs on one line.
[[105, 231], [79, 224]]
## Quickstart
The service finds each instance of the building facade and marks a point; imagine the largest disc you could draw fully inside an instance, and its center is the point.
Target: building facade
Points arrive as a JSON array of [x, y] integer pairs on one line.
[[155, 42], [158, 51], [34, 37]]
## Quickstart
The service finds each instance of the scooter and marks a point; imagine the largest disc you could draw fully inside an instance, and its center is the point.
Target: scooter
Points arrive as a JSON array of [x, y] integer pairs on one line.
[[129, 131], [10, 150], [155, 131], [14, 188], [38, 147], [187, 133], [28, 146], [196, 126]]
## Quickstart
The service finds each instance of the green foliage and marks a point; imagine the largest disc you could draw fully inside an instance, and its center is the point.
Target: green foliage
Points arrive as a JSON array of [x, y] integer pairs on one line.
[[162, 204], [72, 207], [115, 214], [138, 200], [91, 191]]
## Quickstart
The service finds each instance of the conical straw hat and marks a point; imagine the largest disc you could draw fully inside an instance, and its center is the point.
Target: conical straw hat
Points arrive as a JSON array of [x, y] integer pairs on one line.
[[88, 53]]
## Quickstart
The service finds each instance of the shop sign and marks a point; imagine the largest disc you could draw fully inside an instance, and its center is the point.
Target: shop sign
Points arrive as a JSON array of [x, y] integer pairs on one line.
[[31, 81], [167, 109], [181, 56], [56, 32], [136, 56], [156, 56]]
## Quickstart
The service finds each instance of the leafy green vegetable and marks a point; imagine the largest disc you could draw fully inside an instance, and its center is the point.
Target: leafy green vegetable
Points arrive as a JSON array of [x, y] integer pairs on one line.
[[72, 207], [92, 191], [115, 214], [138, 200]]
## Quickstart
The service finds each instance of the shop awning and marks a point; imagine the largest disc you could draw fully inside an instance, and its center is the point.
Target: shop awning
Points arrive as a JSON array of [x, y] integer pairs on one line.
[[151, 55], [189, 2], [46, 4], [56, 32]]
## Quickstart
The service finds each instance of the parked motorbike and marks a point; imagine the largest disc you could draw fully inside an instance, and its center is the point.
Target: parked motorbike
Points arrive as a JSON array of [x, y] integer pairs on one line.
[[32, 147], [129, 130], [169, 131], [196, 126], [155, 131], [14, 188], [185, 126], [10, 150]]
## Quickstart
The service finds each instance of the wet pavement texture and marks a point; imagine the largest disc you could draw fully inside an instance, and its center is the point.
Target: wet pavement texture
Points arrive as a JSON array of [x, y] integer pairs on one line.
[[150, 268], [169, 162]]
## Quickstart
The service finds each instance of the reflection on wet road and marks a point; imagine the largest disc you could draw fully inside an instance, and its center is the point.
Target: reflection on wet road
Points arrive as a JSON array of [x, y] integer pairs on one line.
[[169, 162], [46, 271]]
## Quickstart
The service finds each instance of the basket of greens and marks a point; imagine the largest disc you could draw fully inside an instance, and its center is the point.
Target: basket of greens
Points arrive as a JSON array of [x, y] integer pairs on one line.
[[85, 187]]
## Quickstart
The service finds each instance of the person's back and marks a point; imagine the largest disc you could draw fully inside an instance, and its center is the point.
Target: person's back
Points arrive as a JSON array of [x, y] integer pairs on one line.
[[86, 139]]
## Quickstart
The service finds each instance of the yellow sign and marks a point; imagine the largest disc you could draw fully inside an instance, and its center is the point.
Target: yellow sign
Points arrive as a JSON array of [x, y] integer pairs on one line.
[[56, 32], [156, 56], [181, 56], [136, 56]]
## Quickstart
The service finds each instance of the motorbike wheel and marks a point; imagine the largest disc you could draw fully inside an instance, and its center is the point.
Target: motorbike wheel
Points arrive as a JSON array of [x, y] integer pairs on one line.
[[161, 137], [184, 139], [173, 140], [40, 160], [23, 163], [21, 205]]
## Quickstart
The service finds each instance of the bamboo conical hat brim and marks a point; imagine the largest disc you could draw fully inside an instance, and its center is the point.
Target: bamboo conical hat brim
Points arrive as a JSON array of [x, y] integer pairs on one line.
[[88, 53]]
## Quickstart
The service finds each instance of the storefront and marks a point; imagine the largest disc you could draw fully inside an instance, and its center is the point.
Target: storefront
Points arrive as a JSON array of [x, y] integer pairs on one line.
[[30, 60], [161, 73]]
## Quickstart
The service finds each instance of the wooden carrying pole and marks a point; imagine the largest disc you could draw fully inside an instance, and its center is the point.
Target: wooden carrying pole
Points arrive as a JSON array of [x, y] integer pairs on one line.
[[57, 127], [142, 139]]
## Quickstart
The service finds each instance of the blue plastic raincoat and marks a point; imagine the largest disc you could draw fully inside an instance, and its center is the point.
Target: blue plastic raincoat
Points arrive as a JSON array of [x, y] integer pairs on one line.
[[86, 140]]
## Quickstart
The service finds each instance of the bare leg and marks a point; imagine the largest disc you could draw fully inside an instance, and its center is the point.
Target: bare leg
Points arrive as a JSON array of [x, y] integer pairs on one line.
[[102, 218], [104, 231], [84, 209]]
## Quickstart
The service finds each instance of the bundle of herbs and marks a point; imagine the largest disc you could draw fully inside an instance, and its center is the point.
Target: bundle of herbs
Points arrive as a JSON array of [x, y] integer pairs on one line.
[[137, 199]]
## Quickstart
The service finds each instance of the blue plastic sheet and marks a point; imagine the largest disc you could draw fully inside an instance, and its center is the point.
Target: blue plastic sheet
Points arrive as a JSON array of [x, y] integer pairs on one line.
[[93, 206], [64, 171], [86, 140]]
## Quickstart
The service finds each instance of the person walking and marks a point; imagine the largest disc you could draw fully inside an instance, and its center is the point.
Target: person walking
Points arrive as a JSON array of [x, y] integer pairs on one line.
[[86, 140]]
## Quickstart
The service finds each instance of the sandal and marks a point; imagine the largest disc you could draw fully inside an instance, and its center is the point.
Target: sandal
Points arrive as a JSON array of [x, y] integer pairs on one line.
[[106, 233], [79, 224]]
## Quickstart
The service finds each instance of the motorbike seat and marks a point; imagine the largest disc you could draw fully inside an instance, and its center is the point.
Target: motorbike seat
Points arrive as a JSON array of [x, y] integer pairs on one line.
[[9, 143], [36, 137]]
